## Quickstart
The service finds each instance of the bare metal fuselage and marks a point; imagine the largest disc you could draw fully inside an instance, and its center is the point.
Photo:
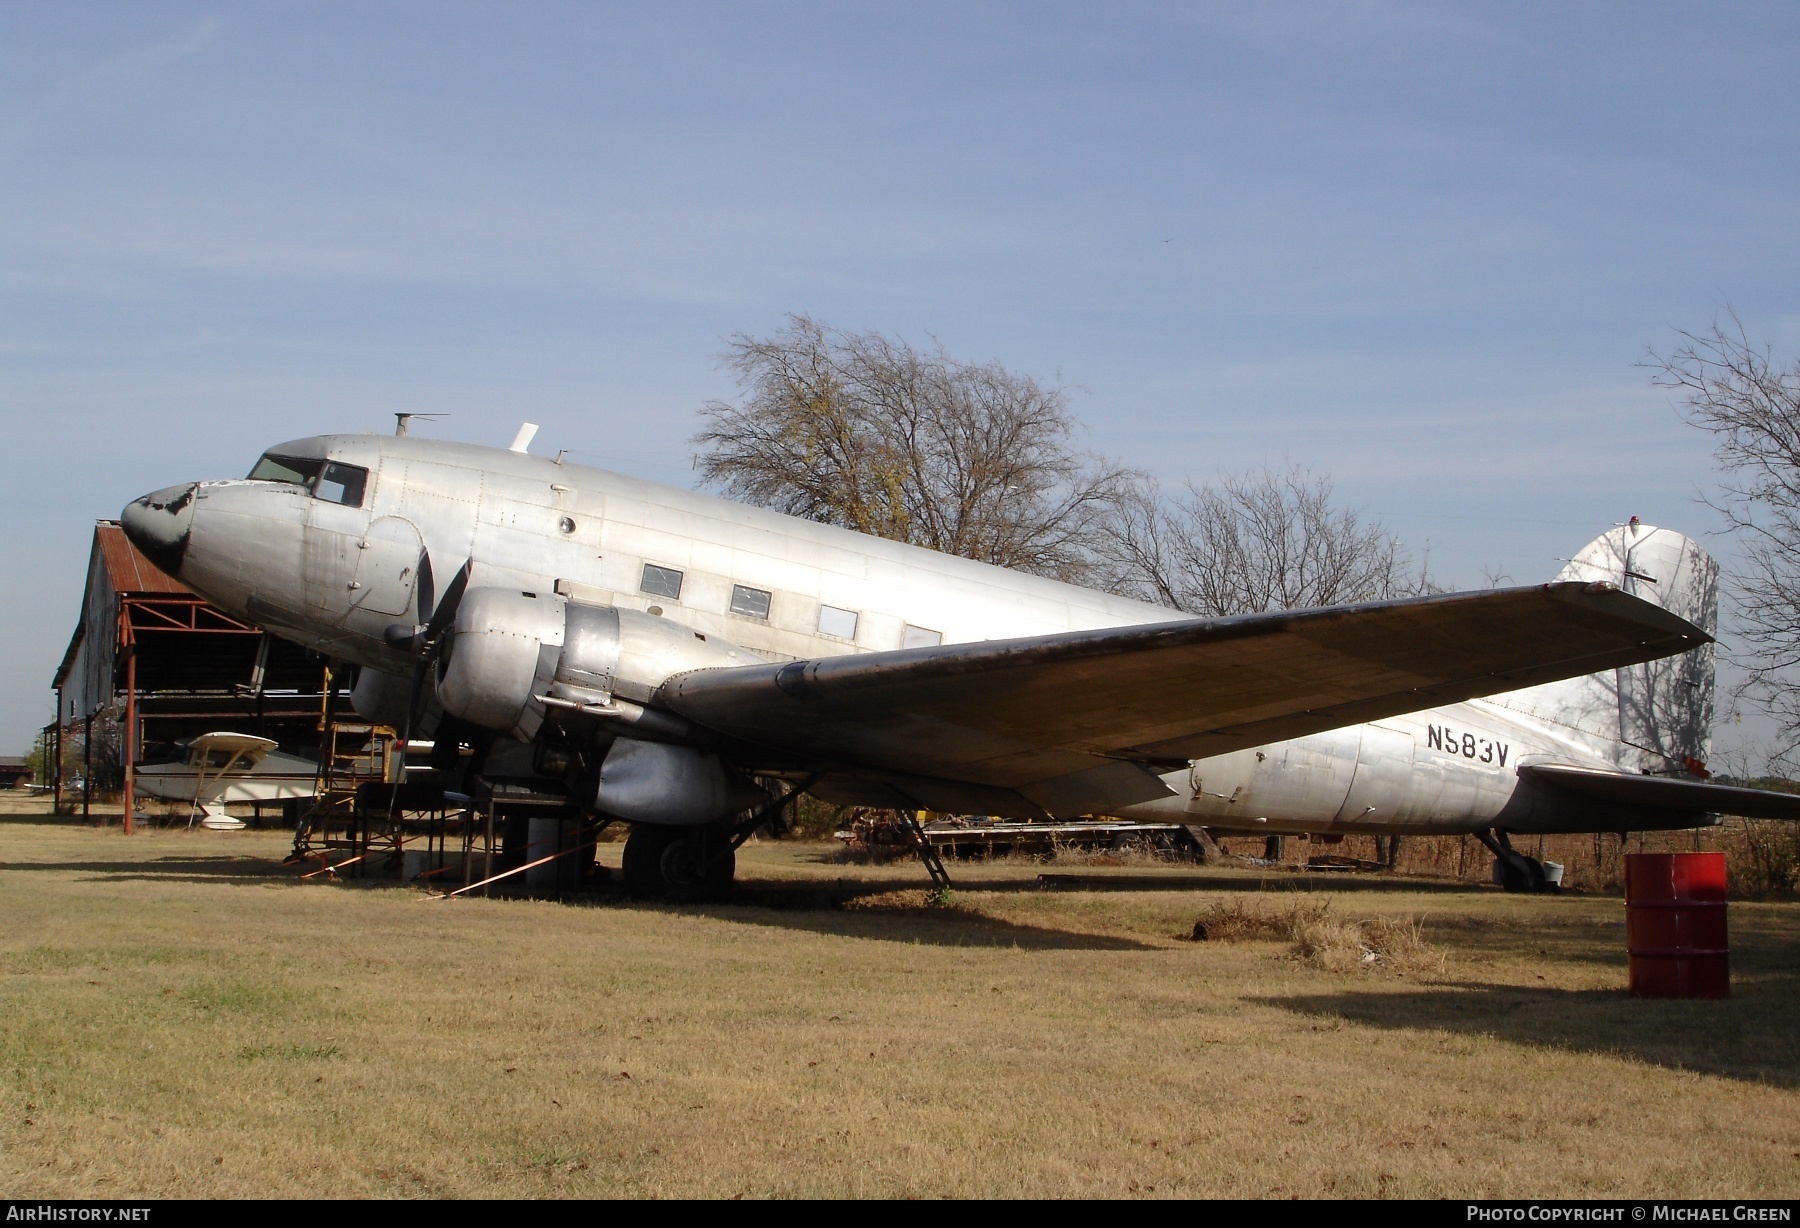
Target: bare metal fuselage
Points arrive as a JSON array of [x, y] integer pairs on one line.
[[339, 578], [1444, 770]]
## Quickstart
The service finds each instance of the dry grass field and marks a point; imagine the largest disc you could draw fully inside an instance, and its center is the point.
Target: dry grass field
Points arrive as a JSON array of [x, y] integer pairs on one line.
[[183, 1018]]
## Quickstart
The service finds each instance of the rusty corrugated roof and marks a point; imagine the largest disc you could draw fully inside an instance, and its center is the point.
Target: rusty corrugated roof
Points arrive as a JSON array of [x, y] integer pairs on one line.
[[128, 570]]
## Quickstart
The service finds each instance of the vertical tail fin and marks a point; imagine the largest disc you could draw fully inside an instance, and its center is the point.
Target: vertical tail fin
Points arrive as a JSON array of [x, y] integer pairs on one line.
[[1655, 717]]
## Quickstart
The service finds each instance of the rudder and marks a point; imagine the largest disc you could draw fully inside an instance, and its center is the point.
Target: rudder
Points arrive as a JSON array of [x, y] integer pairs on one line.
[[1655, 717]]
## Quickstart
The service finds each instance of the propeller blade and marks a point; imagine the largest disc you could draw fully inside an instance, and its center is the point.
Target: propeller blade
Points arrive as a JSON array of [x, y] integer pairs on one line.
[[425, 589], [445, 614], [431, 639]]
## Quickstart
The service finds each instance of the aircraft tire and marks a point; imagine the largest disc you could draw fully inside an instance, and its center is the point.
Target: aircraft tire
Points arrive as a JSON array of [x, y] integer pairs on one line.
[[684, 865], [1512, 879], [1526, 878]]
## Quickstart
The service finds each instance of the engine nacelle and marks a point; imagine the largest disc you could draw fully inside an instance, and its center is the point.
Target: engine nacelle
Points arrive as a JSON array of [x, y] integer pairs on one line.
[[380, 697], [511, 649], [654, 782]]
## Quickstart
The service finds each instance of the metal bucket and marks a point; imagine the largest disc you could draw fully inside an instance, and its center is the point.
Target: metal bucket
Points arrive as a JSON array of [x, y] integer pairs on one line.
[[1675, 925], [547, 836]]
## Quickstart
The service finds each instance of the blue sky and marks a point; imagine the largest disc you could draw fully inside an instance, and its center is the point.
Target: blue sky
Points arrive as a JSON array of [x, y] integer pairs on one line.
[[1421, 247]]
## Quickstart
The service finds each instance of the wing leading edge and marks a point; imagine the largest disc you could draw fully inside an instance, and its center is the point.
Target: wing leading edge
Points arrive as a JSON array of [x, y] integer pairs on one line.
[[1072, 723]]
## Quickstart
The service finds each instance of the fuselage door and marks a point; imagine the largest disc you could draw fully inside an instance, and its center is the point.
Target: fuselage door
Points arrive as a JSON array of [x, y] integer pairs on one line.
[[386, 567]]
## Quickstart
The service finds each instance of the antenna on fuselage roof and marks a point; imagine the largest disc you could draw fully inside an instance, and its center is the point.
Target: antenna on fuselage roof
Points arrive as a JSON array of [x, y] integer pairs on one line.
[[522, 441], [400, 420]]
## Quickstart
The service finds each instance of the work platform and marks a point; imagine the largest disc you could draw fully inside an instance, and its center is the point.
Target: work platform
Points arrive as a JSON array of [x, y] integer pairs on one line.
[[416, 831]]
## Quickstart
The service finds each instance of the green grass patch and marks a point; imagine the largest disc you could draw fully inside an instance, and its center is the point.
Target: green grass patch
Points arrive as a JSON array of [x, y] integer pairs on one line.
[[237, 998], [289, 1051]]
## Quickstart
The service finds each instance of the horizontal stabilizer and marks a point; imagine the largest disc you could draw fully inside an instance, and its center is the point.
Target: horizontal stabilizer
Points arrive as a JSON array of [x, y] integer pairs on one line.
[[1665, 792], [1052, 717]]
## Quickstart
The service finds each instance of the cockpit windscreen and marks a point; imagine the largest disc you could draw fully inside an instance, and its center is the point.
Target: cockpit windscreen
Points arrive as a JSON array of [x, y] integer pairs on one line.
[[295, 469], [327, 480]]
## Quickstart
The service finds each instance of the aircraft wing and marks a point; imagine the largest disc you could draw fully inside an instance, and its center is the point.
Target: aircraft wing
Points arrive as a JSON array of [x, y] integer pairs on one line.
[[1073, 723], [1665, 792], [251, 747], [241, 751]]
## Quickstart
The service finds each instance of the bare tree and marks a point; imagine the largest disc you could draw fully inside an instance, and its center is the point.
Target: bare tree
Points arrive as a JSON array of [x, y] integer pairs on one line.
[[1267, 540], [1751, 405], [867, 432]]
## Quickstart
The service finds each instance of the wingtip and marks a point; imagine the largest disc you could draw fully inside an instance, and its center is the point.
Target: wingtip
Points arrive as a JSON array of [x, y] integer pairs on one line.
[[1618, 602]]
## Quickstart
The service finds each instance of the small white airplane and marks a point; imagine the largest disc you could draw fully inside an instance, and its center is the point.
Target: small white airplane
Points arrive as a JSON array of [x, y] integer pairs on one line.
[[658, 656], [216, 768]]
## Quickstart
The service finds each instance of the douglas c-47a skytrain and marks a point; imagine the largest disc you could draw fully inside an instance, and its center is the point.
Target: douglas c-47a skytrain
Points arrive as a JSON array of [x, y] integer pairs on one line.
[[685, 665]]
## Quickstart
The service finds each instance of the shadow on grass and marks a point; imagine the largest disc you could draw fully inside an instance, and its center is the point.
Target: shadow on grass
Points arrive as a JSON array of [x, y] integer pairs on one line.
[[1748, 1037], [1763, 941], [64, 821], [110, 822], [222, 868], [846, 910], [938, 927]]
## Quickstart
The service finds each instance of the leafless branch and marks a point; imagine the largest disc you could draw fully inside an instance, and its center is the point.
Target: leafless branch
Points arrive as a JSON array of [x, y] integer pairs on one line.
[[867, 432], [1750, 404], [1267, 540]]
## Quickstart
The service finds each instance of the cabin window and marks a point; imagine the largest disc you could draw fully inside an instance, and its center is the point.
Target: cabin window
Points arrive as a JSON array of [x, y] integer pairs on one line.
[[751, 602], [662, 581], [920, 637], [341, 484], [294, 469], [841, 623]]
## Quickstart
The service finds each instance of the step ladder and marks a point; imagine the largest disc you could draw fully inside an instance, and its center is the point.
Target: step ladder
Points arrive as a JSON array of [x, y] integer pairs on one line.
[[351, 755]]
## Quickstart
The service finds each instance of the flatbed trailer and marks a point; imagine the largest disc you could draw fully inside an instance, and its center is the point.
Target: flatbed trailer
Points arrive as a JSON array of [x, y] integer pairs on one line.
[[976, 837]]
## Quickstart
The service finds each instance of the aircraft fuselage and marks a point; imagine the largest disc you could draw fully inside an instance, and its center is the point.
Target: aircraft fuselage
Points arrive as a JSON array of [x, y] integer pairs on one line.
[[347, 550]]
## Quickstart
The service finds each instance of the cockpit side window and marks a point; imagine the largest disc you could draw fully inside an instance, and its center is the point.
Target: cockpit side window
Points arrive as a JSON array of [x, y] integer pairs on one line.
[[298, 470], [341, 484]]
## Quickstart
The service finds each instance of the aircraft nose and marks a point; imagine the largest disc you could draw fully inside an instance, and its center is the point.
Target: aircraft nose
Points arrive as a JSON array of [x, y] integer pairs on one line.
[[160, 523]]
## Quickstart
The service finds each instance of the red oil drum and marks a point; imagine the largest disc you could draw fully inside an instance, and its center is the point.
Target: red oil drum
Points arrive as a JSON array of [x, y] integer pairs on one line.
[[1675, 925]]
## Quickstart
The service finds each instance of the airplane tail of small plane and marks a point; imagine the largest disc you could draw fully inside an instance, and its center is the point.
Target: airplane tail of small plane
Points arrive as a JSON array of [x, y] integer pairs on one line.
[[1655, 717]]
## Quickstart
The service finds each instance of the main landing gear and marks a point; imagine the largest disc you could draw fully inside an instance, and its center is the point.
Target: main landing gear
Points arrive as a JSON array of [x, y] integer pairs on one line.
[[684, 865], [1517, 871], [692, 864]]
